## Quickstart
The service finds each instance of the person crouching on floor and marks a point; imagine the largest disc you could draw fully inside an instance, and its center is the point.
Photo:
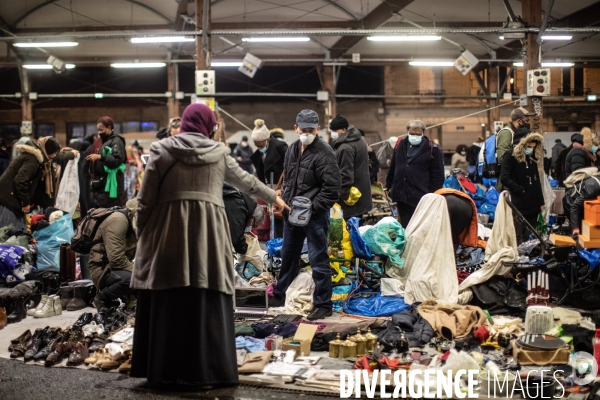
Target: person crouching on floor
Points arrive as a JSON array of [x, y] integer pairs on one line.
[[111, 257]]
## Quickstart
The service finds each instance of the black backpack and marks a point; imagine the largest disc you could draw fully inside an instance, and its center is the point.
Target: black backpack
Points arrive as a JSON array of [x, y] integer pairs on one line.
[[83, 240]]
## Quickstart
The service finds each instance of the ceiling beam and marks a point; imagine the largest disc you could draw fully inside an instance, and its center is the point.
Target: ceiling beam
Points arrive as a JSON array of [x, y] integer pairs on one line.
[[342, 9], [446, 24], [287, 25], [102, 28], [380, 15], [583, 18], [181, 9]]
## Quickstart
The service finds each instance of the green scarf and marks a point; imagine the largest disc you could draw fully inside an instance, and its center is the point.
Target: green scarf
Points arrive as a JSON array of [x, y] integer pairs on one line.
[[111, 175]]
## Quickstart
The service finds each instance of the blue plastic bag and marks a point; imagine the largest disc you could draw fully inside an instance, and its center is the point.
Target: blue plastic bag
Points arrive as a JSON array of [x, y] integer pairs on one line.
[[339, 294], [490, 182], [9, 260], [592, 256], [451, 182], [487, 208], [553, 182], [360, 247], [274, 247], [492, 196], [478, 197], [49, 240], [373, 305]]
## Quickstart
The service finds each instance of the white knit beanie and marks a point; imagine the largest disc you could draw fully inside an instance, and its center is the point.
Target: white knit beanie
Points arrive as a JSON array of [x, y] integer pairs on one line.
[[260, 132]]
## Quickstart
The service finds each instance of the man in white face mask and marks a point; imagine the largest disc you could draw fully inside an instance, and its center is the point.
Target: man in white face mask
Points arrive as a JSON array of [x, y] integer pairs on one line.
[[310, 170], [417, 168]]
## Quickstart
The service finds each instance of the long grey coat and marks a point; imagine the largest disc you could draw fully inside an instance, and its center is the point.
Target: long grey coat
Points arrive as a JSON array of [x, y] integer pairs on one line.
[[182, 227]]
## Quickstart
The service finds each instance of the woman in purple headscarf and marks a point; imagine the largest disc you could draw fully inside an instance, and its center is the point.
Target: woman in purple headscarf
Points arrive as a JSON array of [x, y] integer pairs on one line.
[[184, 266]]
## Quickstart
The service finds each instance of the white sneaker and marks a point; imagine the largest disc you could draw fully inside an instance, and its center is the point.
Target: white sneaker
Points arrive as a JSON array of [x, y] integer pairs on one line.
[[39, 306], [47, 310], [57, 305], [123, 336]]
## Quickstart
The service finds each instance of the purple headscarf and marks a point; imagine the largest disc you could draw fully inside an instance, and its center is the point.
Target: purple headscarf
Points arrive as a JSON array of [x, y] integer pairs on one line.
[[198, 118]]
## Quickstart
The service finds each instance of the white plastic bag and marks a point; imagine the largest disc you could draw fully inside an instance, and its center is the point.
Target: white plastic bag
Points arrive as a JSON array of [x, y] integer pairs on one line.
[[68, 190], [549, 195]]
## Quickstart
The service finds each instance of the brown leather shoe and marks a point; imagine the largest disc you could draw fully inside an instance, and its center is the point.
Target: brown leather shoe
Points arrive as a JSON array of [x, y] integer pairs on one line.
[[24, 336], [62, 350], [125, 368], [79, 353], [21, 348]]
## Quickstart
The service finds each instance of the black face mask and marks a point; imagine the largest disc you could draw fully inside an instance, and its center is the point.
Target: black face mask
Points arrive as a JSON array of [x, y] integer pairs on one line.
[[525, 125], [104, 136]]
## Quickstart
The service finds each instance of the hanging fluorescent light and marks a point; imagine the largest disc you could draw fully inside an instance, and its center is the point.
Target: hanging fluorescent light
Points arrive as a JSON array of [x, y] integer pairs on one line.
[[46, 44], [45, 66], [138, 65], [501, 37], [431, 63], [557, 37], [276, 39], [162, 39], [549, 64], [403, 38], [226, 64]]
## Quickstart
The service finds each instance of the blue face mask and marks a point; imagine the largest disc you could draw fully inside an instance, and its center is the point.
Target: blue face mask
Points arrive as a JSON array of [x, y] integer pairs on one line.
[[528, 151], [415, 139], [263, 150], [594, 149]]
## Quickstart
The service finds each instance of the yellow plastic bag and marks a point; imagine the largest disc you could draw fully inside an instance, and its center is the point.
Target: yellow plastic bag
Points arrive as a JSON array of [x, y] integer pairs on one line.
[[353, 196]]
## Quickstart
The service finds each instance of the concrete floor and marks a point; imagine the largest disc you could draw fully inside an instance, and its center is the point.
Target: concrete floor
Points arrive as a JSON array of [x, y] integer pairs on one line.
[[19, 381]]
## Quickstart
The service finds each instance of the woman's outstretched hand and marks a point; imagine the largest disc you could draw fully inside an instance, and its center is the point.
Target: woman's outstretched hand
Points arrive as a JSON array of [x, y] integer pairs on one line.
[[280, 204]]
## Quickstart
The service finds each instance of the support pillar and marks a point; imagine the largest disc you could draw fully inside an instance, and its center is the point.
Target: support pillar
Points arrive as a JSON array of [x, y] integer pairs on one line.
[[532, 17], [203, 42], [492, 84], [26, 106], [173, 87], [328, 77]]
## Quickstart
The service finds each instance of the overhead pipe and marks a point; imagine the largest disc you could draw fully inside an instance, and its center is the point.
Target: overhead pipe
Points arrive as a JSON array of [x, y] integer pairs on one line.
[[545, 22], [315, 32]]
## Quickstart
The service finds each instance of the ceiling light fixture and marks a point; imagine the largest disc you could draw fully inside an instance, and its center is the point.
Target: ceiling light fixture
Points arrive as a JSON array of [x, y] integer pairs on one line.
[[139, 65], [226, 64], [549, 64], [267, 39], [431, 63], [501, 37], [162, 39], [557, 37], [45, 66], [46, 44], [403, 38]]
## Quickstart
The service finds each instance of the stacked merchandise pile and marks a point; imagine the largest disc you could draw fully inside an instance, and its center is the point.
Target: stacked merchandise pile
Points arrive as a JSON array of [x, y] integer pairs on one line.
[[590, 232]]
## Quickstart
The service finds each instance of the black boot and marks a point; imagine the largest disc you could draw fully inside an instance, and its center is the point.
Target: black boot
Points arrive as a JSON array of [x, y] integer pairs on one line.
[[18, 312], [78, 300]]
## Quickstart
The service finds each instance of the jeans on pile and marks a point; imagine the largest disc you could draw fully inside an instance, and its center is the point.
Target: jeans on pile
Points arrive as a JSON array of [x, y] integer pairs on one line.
[[115, 285], [293, 240]]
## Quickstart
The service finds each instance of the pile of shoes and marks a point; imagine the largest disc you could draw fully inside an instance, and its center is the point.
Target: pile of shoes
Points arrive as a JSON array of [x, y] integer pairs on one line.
[[51, 346]]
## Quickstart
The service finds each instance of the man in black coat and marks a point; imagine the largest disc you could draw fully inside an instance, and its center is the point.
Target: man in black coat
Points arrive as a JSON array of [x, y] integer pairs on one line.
[[558, 147], [588, 189], [242, 154], [239, 208], [417, 169], [560, 172], [311, 171], [268, 157], [353, 162]]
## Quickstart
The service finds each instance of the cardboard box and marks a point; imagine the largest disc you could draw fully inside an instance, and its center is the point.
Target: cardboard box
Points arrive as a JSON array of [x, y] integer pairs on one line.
[[591, 212], [304, 335], [589, 230], [559, 240], [541, 357], [588, 243]]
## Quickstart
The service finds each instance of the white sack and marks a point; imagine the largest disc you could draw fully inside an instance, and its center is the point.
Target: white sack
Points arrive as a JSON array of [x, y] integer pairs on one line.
[[501, 248], [391, 287], [299, 295], [429, 260], [68, 190]]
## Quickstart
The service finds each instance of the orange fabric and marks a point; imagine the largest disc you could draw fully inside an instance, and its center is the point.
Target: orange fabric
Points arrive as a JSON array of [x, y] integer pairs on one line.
[[469, 236]]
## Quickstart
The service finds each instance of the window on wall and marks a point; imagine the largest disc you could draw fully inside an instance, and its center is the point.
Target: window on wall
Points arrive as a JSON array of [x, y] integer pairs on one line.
[[149, 126], [42, 130], [130, 126]]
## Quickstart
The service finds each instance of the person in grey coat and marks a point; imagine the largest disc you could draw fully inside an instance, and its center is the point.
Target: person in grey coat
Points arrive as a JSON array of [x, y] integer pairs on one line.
[[183, 269], [353, 161]]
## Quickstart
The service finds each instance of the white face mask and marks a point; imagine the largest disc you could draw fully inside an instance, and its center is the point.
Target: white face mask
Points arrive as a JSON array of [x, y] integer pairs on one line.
[[415, 139], [335, 135], [307, 138]]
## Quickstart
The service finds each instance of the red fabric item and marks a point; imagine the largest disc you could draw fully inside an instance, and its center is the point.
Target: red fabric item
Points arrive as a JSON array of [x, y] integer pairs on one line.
[[35, 219], [467, 184], [482, 334], [462, 275]]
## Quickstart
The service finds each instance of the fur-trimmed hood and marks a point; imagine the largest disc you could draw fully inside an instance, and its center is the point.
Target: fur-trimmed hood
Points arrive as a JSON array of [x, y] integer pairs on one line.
[[519, 152], [587, 139], [26, 148]]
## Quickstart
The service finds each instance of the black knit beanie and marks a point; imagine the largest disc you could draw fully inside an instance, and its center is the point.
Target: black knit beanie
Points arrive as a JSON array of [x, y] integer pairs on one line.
[[338, 122]]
